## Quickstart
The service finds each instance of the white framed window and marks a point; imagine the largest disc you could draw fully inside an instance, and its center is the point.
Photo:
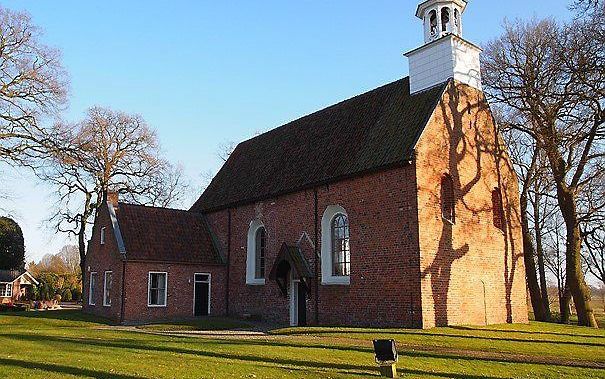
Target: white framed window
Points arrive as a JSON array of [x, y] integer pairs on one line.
[[157, 289], [6, 289], [256, 254], [335, 247], [107, 289], [92, 285], [103, 229]]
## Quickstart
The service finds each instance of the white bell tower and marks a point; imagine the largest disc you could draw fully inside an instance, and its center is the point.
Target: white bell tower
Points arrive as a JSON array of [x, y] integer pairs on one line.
[[445, 54]]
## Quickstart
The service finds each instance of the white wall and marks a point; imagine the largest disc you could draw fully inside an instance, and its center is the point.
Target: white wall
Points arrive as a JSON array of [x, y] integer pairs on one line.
[[446, 58]]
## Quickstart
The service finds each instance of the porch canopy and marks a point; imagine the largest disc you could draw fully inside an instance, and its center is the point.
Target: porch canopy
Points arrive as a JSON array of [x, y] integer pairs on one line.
[[290, 259]]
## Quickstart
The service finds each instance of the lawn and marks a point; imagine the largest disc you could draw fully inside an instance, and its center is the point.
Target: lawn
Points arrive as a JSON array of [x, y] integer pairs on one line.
[[68, 344]]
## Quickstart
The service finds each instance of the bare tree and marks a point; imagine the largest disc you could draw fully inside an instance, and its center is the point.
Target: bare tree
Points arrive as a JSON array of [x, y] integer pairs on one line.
[[33, 86], [108, 150], [533, 69], [525, 157], [595, 252]]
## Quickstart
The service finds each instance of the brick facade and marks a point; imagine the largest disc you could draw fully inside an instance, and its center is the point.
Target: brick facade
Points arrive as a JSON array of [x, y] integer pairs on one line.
[[409, 266], [472, 272], [179, 305]]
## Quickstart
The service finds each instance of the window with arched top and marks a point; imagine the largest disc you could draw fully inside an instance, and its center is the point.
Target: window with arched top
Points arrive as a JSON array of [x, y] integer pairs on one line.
[[341, 253], [256, 253], [433, 22], [457, 19], [498, 209], [448, 200], [445, 19], [335, 246], [261, 247]]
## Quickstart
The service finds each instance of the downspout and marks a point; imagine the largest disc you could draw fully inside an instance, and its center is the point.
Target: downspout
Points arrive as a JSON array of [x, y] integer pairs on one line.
[[316, 260], [228, 260], [123, 290]]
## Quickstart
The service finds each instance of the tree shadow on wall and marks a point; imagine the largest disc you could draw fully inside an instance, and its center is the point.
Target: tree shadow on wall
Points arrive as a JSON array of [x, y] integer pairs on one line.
[[466, 144]]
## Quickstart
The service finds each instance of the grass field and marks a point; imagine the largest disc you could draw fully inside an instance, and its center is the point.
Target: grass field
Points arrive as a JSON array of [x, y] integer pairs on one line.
[[71, 345]]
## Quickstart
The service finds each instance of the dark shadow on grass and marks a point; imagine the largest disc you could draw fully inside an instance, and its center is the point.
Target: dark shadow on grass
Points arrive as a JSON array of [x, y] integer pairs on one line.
[[469, 328], [66, 370], [403, 332], [62, 315], [129, 344], [507, 358]]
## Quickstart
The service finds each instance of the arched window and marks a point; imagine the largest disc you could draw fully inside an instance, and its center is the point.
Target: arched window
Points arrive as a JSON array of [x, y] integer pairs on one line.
[[448, 200], [261, 247], [335, 246], [256, 254], [498, 209], [445, 19], [433, 22], [341, 253], [457, 21]]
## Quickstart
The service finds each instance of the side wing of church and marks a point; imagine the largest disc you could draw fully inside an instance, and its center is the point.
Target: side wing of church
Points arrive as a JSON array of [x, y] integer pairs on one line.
[[398, 207]]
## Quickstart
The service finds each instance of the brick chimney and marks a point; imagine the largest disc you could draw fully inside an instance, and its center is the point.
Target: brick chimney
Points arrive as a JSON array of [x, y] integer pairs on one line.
[[113, 198]]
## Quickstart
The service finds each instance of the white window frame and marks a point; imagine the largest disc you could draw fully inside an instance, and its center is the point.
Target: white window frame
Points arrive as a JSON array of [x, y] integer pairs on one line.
[[327, 276], [105, 297], [149, 290], [251, 279], [209, 281], [103, 231], [91, 293], [7, 293]]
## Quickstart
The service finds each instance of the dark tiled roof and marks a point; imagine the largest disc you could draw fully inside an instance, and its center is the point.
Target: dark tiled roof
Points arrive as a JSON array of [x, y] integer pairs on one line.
[[9, 276], [368, 132], [167, 235]]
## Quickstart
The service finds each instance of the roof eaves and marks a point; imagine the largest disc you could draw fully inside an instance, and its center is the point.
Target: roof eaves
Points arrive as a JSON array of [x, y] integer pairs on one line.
[[217, 246]]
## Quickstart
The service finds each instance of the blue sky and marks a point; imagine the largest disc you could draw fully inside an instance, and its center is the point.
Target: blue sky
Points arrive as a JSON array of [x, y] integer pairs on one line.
[[203, 73]]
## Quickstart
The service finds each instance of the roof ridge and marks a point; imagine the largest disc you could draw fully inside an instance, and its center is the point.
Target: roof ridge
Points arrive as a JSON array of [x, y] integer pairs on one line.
[[154, 207]]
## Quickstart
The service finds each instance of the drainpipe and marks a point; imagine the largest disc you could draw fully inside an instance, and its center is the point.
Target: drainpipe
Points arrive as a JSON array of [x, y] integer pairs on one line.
[[228, 260], [316, 259], [123, 291]]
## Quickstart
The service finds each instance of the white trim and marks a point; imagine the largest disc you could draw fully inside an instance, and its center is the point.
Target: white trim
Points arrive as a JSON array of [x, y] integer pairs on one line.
[[149, 290], [103, 230], [91, 293], [209, 281], [105, 304], [6, 284], [251, 279], [327, 278], [294, 293]]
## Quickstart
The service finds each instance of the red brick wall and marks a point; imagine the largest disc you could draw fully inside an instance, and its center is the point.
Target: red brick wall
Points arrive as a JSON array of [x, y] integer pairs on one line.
[[472, 272], [179, 304], [384, 287], [101, 258]]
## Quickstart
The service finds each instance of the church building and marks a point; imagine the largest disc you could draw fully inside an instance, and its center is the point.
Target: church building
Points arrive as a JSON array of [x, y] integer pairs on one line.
[[395, 208]]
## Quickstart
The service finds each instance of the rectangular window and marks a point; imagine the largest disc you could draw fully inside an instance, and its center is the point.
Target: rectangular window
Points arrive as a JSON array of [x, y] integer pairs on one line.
[[6, 290], [103, 236], [107, 290], [92, 287], [157, 289]]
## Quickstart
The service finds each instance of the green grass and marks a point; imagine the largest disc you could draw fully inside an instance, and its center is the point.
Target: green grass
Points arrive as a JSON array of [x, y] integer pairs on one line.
[[210, 323], [71, 345]]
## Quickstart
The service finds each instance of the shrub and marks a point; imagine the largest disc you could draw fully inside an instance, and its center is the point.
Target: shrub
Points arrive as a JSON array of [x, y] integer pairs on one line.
[[67, 296], [76, 294]]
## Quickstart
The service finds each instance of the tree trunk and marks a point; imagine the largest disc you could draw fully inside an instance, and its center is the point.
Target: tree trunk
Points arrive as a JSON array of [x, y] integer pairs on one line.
[[564, 305], [540, 255], [530, 264], [573, 264]]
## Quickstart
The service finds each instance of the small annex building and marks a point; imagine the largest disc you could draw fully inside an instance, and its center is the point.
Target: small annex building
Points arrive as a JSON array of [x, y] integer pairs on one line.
[[398, 207], [16, 286]]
